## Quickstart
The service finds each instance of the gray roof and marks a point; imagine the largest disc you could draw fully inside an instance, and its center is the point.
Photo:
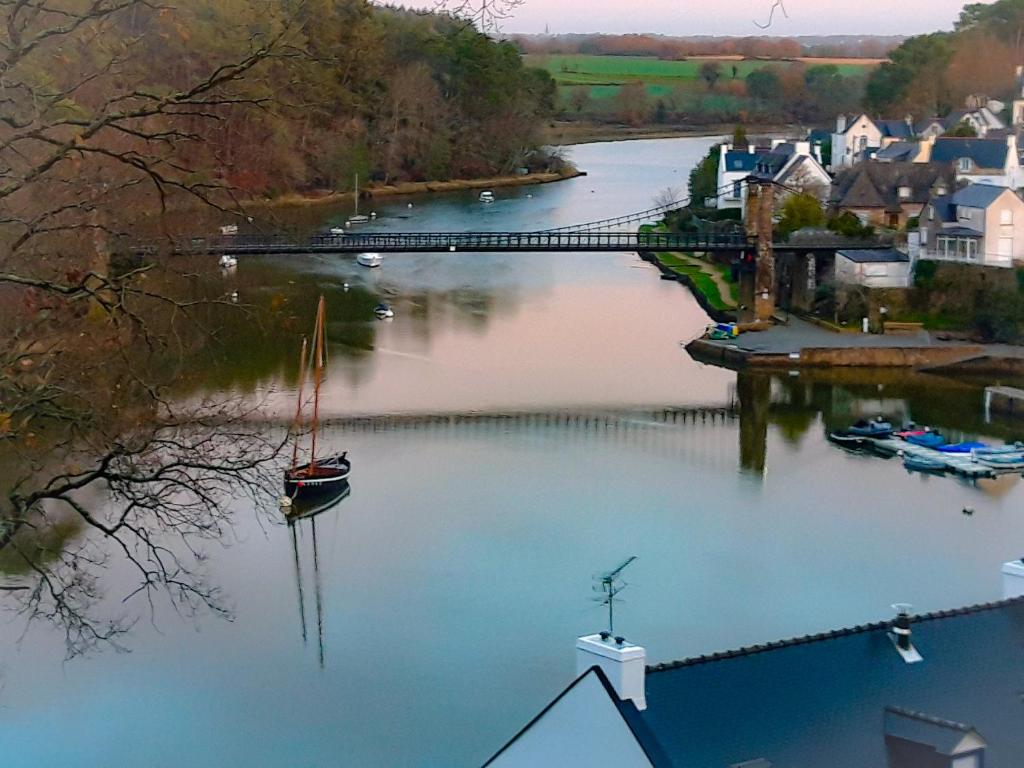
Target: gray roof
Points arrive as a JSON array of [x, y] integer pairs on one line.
[[986, 153], [740, 161], [898, 129], [898, 151], [838, 698], [877, 185], [977, 195], [821, 700], [874, 256]]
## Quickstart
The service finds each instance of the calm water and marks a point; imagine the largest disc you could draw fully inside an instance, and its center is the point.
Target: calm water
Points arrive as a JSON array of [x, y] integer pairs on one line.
[[454, 579]]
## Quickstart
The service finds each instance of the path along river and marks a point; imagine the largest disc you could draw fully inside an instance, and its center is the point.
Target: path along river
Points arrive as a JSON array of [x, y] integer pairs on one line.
[[456, 576]]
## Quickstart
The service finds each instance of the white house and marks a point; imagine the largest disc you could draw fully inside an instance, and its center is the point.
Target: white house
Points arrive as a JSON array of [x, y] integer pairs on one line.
[[980, 161], [893, 694], [734, 165], [793, 164], [853, 139], [979, 224], [878, 268]]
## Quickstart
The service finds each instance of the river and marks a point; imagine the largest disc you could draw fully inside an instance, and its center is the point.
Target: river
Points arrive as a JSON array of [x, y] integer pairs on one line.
[[454, 579]]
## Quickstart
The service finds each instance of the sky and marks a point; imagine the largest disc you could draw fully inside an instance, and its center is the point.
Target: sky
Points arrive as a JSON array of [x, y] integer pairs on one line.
[[733, 17]]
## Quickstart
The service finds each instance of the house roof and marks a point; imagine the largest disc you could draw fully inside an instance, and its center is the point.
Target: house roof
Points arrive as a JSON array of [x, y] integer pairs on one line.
[[898, 151], [822, 699], [874, 256], [986, 153], [922, 125], [977, 195], [740, 161], [896, 129], [877, 185]]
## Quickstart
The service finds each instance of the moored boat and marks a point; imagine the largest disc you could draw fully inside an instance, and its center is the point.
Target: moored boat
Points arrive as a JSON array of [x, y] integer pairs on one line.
[[487, 196], [965, 447], [383, 311], [370, 259], [846, 439], [876, 428], [1005, 461], [927, 440], [227, 262], [924, 464], [998, 450], [229, 229], [319, 478]]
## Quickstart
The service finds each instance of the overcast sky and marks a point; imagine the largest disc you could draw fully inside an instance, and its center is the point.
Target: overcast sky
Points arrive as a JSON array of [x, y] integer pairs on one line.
[[733, 17]]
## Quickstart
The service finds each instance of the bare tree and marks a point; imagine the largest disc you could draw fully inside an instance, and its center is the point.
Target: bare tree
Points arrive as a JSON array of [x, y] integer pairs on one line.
[[92, 336]]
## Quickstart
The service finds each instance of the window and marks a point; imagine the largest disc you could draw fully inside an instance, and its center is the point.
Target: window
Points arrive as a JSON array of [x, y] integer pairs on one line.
[[904, 193], [963, 213], [965, 164], [862, 143], [1006, 217], [737, 189], [941, 189], [931, 213]]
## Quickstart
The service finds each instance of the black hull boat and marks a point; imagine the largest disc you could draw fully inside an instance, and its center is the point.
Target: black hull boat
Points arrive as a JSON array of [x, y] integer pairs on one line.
[[314, 482], [306, 507], [319, 480]]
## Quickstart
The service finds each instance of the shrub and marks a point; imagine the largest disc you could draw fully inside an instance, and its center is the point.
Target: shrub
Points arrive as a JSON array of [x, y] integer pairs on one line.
[[924, 274]]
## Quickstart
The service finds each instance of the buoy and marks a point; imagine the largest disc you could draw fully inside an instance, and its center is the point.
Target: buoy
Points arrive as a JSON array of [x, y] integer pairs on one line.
[[344, 286], [234, 297], [284, 502], [409, 206], [249, 219], [373, 214]]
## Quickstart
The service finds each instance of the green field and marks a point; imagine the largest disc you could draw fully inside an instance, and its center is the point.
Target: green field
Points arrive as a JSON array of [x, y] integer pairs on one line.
[[605, 75], [615, 70]]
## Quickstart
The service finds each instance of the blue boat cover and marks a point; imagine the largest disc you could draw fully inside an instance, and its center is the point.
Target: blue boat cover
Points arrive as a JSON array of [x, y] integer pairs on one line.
[[962, 447]]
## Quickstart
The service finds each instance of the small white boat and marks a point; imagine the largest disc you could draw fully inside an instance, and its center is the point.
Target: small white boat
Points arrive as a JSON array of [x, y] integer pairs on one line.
[[384, 311], [336, 230], [227, 262], [359, 218], [487, 196], [229, 229], [370, 259]]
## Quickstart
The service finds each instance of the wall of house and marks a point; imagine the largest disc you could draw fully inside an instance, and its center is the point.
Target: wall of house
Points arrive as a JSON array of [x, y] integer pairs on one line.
[[1004, 242], [873, 275], [846, 145], [583, 728], [727, 180]]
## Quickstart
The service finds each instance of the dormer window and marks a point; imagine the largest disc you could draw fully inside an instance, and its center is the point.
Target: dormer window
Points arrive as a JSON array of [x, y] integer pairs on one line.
[[941, 189], [965, 164], [904, 193]]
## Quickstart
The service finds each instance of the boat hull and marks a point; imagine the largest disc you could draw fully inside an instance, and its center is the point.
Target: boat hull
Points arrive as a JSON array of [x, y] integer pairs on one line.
[[370, 260], [325, 481]]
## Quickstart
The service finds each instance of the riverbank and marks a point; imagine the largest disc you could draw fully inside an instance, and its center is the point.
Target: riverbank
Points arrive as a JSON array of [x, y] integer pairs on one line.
[[799, 344], [566, 132], [420, 188]]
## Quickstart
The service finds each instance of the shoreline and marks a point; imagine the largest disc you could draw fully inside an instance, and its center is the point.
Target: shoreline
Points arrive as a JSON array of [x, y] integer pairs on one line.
[[419, 188], [567, 133]]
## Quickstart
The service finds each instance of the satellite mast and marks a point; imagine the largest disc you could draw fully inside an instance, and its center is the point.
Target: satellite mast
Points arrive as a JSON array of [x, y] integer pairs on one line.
[[609, 584]]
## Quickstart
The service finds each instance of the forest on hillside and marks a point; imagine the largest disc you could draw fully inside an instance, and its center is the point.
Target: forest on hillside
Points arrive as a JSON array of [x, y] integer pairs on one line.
[[933, 74], [344, 86]]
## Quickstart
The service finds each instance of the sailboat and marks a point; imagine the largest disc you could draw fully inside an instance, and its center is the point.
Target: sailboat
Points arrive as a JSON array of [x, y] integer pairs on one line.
[[357, 218], [317, 479]]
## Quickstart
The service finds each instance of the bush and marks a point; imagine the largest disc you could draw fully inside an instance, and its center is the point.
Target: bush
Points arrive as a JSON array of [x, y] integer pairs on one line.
[[848, 225], [924, 274]]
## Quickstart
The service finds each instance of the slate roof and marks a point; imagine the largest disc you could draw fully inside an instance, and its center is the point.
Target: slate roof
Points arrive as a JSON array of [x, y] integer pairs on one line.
[[895, 129], [876, 185], [821, 700], [986, 153], [740, 161], [875, 256], [900, 151], [977, 195]]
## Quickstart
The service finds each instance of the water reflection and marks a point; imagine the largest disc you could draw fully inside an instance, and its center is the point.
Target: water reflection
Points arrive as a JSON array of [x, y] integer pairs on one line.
[[304, 515]]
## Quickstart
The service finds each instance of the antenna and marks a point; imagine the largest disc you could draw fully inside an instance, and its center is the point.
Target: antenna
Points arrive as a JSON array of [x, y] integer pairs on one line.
[[609, 585]]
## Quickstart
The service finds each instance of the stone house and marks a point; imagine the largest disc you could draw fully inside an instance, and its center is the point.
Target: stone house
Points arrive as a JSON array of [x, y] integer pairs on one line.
[[887, 194]]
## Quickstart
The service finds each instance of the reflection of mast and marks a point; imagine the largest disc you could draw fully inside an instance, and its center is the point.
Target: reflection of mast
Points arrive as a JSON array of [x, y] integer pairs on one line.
[[319, 601], [298, 580]]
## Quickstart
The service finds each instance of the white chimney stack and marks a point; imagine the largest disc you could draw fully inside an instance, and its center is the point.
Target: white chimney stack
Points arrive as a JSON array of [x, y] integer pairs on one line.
[[1013, 579], [841, 124], [623, 663]]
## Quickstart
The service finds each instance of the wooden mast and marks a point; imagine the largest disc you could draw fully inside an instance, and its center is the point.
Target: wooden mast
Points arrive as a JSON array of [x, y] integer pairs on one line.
[[298, 406], [318, 352]]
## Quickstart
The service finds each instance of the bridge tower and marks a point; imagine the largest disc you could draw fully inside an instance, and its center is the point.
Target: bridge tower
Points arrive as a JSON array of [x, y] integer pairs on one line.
[[758, 222]]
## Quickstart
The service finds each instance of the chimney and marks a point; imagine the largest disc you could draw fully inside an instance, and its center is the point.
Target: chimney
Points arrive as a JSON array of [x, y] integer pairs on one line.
[[901, 634], [841, 124], [623, 663], [1013, 579]]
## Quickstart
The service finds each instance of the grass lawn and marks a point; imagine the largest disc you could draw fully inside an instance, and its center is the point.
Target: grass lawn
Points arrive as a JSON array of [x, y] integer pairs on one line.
[[615, 70]]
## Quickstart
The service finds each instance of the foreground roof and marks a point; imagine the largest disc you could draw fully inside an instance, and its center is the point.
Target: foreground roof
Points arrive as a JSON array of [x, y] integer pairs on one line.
[[823, 700], [877, 185]]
